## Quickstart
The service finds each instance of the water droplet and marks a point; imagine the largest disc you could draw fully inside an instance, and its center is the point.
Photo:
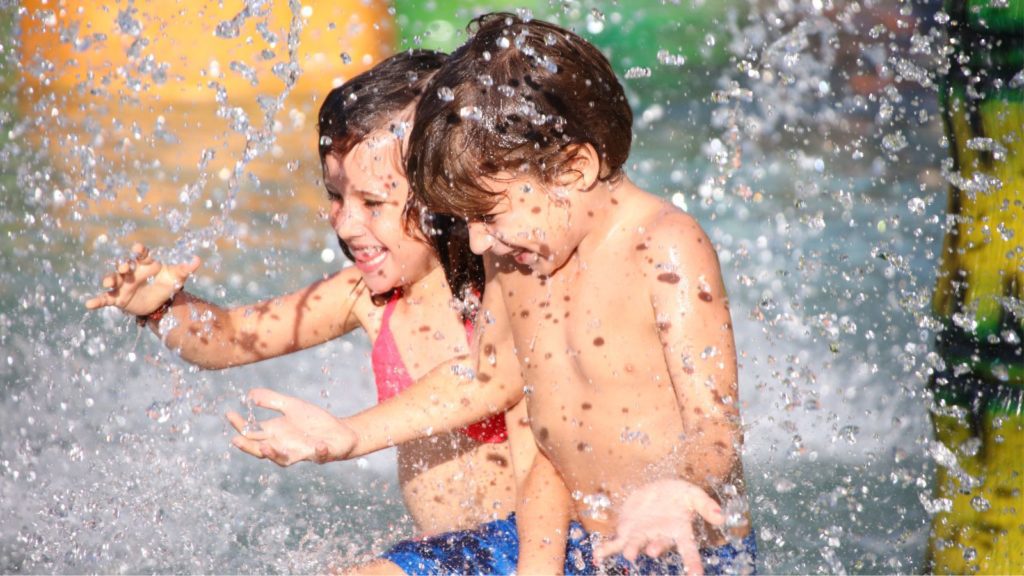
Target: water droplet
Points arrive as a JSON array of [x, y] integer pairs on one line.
[[446, 94], [470, 113], [894, 142], [227, 29], [345, 58], [638, 72], [667, 58], [784, 485], [916, 205], [1001, 372], [980, 504]]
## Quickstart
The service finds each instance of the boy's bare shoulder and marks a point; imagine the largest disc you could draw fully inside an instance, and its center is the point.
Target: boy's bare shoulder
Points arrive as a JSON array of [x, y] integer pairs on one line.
[[672, 237]]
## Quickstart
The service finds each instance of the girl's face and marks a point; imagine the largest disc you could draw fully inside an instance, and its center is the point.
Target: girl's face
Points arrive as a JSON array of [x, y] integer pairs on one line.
[[368, 191]]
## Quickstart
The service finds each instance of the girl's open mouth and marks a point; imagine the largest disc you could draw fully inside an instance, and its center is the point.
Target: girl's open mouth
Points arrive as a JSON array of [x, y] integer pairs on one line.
[[370, 258]]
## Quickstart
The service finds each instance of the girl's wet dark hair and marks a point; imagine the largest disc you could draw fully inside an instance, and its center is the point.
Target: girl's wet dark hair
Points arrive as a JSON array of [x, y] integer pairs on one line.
[[375, 100], [517, 96]]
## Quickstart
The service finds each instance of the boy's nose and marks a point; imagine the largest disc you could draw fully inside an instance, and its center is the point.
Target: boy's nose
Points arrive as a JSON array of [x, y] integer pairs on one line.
[[480, 240]]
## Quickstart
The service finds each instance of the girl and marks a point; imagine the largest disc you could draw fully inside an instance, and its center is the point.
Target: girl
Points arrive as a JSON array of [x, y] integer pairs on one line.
[[397, 292]]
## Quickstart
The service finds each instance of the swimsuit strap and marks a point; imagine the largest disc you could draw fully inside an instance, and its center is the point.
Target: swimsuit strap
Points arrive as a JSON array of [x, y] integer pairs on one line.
[[389, 371], [391, 375]]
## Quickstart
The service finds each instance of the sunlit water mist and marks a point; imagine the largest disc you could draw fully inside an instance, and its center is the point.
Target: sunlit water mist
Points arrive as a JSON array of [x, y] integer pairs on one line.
[[814, 163]]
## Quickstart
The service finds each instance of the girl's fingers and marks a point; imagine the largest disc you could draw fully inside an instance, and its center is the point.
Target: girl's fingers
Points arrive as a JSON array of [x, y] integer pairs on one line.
[[140, 251], [99, 301], [124, 267], [183, 271], [109, 281], [141, 254]]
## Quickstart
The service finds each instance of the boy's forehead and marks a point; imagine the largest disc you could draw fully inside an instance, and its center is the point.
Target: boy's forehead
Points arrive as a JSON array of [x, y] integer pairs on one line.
[[504, 181]]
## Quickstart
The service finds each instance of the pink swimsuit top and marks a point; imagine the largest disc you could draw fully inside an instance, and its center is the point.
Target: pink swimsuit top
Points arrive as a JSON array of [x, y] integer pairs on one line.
[[392, 377]]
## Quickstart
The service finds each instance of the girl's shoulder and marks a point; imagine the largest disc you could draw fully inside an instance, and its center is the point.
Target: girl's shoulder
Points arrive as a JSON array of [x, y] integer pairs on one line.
[[345, 294]]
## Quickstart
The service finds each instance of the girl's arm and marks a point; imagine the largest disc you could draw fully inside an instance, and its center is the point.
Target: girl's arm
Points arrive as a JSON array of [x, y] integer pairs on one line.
[[457, 393], [454, 394], [214, 337]]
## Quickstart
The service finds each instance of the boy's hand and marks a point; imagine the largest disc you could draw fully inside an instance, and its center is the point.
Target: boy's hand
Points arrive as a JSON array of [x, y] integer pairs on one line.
[[304, 431], [660, 516], [141, 285]]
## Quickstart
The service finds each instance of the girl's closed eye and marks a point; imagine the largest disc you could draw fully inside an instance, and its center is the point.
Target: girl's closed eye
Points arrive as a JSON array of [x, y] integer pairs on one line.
[[333, 196]]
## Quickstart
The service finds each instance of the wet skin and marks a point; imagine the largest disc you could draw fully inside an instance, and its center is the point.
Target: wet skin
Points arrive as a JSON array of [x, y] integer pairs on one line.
[[448, 481], [611, 298]]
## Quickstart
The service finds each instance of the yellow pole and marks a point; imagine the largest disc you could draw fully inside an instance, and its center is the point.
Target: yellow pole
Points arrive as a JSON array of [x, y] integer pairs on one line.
[[977, 414]]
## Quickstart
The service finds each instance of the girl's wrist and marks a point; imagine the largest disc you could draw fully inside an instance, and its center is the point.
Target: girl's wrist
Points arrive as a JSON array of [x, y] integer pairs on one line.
[[156, 315]]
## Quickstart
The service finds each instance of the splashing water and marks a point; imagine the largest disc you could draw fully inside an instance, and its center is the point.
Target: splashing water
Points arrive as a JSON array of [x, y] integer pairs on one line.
[[814, 159]]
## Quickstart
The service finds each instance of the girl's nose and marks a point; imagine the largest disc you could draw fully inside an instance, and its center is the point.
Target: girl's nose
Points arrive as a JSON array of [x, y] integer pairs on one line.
[[480, 239], [347, 220]]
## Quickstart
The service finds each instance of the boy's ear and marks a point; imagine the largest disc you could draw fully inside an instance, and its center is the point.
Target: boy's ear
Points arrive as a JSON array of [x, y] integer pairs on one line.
[[582, 169]]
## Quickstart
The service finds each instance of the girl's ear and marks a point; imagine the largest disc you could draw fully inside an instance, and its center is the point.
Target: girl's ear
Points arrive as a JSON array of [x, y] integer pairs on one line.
[[582, 168]]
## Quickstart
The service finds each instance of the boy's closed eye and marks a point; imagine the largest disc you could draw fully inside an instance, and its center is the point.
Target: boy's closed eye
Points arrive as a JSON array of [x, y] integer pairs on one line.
[[486, 219]]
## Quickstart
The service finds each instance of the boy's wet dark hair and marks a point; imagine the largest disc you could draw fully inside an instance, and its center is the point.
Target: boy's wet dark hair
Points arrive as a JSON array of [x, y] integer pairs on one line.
[[373, 101], [518, 95]]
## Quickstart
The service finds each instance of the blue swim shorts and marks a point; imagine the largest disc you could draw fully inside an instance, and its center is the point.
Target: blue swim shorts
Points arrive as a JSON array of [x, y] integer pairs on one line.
[[720, 560], [493, 548]]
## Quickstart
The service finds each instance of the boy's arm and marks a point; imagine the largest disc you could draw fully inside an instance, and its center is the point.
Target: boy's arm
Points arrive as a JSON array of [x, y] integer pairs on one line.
[[695, 329], [214, 337], [452, 395], [542, 519], [457, 393]]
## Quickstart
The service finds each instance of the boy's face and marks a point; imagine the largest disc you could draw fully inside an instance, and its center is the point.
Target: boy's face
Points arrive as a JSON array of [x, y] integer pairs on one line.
[[534, 223], [368, 191]]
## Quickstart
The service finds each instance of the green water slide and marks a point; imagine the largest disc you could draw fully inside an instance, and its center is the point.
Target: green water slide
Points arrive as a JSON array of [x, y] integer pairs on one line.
[[686, 36], [977, 414]]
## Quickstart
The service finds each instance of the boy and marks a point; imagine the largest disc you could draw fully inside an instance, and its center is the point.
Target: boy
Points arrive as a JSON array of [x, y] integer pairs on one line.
[[610, 298]]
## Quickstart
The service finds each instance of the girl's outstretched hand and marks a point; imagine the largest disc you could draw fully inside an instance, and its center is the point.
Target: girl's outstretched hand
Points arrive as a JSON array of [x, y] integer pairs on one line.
[[141, 284], [304, 431], [659, 517]]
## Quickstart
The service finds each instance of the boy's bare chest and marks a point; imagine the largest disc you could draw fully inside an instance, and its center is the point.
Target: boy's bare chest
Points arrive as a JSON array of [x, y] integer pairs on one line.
[[577, 331]]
